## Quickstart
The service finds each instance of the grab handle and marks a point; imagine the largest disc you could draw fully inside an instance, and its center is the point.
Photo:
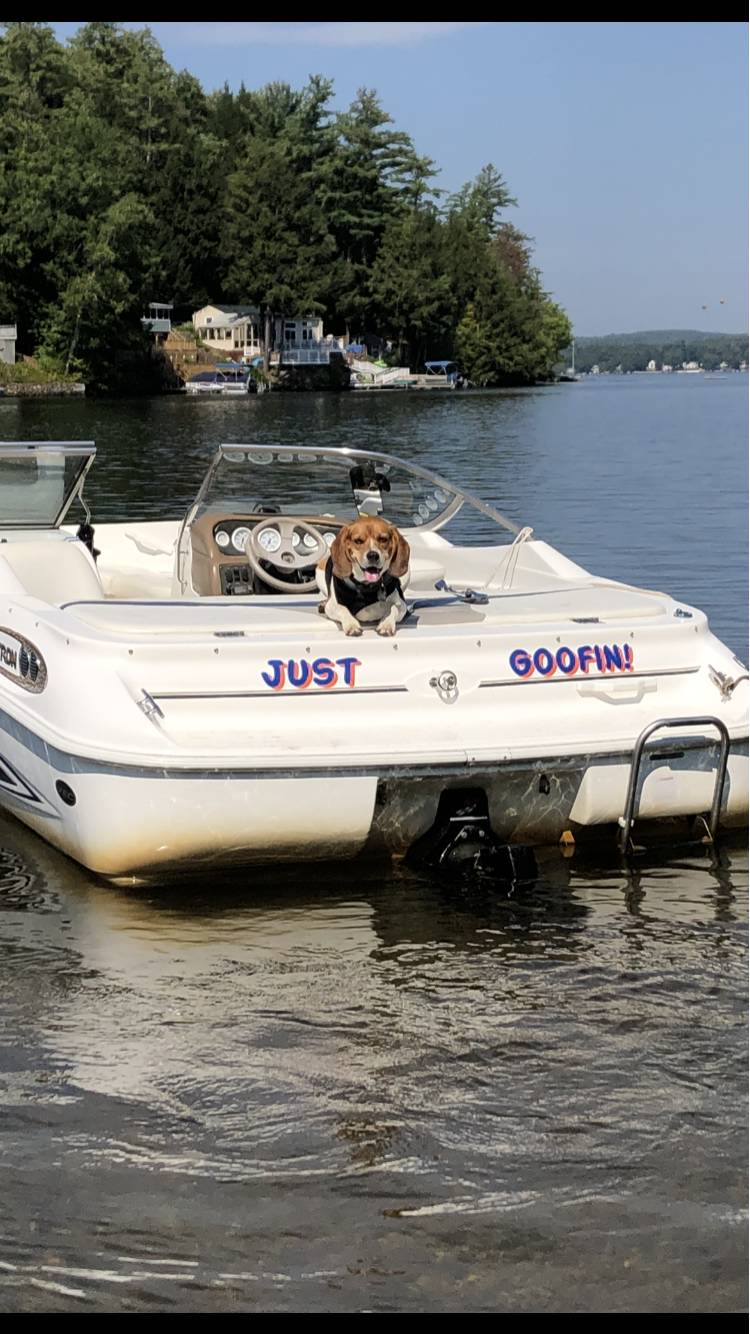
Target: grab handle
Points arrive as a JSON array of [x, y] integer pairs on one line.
[[617, 692]]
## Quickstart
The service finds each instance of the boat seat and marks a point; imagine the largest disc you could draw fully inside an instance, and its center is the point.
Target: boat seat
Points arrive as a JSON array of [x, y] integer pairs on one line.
[[54, 571], [423, 574]]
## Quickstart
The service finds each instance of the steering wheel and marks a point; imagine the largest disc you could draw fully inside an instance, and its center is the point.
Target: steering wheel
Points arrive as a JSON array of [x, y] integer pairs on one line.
[[287, 557]]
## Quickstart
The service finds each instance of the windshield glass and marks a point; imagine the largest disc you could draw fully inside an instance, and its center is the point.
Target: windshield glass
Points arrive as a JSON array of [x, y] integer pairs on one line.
[[340, 483], [38, 482]]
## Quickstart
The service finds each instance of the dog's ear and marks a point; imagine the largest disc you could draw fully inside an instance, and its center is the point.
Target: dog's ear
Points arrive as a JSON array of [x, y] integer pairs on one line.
[[400, 562], [342, 566]]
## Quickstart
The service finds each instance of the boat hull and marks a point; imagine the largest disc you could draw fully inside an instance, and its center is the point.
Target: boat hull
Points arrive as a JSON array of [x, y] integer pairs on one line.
[[138, 823]]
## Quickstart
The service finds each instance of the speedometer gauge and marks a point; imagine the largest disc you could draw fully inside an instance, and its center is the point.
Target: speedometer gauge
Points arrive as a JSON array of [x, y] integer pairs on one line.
[[269, 539], [240, 537], [309, 541]]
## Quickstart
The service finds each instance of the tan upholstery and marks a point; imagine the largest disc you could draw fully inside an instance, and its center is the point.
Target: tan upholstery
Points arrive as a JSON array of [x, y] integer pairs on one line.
[[56, 572]]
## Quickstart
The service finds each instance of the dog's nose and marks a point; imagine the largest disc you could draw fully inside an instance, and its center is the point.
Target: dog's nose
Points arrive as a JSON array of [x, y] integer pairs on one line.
[[374, 556]]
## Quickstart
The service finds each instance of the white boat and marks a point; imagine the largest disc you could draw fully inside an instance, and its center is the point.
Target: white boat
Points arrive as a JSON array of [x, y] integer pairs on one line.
[[180, 701], [228, 384], [571, 376]]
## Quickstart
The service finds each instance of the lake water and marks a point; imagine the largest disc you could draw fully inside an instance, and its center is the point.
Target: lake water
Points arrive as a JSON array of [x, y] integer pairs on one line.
[[344, 1089]]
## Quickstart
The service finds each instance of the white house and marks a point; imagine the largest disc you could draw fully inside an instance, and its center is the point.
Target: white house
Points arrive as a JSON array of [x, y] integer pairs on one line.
[[239, 329], [8, 335]]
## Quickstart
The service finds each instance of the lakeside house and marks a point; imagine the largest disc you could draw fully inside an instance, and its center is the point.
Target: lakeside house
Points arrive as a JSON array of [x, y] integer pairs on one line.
[[159, 320], [237, 332], [8, 336]]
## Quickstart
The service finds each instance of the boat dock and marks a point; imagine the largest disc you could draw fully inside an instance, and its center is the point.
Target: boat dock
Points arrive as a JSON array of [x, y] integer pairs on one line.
[[367, 375]]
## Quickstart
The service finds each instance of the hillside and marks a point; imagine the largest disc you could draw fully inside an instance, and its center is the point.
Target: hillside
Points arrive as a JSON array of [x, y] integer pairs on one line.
[[654, 336], [671, 347]]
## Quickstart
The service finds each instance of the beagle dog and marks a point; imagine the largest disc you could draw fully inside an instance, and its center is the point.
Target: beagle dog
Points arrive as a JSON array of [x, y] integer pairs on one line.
[[361, 578]]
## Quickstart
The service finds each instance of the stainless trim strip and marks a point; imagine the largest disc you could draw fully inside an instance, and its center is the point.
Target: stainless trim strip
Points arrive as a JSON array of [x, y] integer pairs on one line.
[[578, 678], [279, 694]]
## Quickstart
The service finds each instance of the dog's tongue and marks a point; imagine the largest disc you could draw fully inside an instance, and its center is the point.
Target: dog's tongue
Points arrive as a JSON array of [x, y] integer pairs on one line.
[[371, 576]]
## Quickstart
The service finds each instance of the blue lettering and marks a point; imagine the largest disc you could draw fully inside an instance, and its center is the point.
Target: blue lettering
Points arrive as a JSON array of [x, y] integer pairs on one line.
[[324, 673], [299, 677], [545, 662], [350, 666], [613, 658], [277, 676], [567, 661], [521, 663]]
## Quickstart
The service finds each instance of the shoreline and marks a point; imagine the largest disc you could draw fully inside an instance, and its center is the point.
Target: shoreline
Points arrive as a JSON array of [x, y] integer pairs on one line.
[[52, 389]]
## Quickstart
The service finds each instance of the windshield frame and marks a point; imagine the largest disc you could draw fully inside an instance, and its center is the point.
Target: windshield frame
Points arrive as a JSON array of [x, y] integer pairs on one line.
[[341, 454]]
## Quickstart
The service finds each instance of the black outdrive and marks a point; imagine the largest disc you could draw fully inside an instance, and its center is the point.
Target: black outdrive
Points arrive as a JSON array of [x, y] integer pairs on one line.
[[462, 843]]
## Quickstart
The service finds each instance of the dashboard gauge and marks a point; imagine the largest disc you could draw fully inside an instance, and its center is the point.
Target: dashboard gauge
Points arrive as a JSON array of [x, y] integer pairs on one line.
[[239, 538], [222, 539], [309, 541], [270, 540], [330, 538], [295, 538]]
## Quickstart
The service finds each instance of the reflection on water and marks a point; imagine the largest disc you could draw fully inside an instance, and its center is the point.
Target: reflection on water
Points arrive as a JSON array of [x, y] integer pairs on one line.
[[327, 1090], [345, 1089]]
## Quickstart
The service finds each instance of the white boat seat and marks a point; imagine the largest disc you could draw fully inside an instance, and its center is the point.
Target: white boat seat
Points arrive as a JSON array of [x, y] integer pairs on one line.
[[424, 574], [9, 581], [55, 572]]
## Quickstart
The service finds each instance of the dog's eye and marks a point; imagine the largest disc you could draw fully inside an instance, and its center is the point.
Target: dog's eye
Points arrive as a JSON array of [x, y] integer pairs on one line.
[[384, 540], [358, 541]]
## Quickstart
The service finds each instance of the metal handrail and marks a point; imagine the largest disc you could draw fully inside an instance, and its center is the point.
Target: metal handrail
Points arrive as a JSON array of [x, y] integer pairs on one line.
[[627, 819]]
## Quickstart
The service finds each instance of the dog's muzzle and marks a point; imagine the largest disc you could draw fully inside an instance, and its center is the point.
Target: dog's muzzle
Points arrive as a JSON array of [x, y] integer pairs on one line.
[[372, 570]]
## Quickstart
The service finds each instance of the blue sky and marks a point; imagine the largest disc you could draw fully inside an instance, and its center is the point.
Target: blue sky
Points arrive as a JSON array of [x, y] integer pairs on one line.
[[624, 143]]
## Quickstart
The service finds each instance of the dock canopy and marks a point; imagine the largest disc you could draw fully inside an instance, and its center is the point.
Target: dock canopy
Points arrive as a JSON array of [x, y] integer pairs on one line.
[[447, 368], [221, 374]]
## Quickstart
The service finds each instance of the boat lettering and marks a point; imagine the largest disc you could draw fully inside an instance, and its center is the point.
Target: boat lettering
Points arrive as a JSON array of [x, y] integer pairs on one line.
[[300, 674], [546, 662], [21, 661]]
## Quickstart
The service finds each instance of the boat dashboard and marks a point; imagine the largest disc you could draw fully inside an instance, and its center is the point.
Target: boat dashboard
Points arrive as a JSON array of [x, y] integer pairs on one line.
[[219, 541]]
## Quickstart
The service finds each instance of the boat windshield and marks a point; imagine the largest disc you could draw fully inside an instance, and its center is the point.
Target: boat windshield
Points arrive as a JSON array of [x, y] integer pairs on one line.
[[39, 482], [338, 483]]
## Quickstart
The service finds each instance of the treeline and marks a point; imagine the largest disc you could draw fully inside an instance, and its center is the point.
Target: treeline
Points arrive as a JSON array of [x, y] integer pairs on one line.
[[122, 181], [631, 353]]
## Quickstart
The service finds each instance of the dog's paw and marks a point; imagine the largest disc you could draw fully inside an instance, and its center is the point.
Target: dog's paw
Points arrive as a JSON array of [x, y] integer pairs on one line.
[[354, 629], [386, 628]]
